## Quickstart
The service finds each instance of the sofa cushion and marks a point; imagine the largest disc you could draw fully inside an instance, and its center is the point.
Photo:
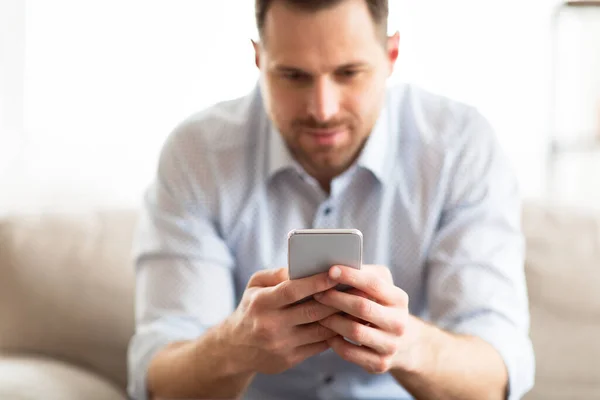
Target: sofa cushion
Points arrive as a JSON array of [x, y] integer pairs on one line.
[[28, 378], [563, 277], [67, 287]]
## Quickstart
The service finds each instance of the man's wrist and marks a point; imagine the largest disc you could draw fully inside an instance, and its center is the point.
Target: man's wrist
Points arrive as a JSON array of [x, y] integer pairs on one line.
[[421, 355], [232, 357]]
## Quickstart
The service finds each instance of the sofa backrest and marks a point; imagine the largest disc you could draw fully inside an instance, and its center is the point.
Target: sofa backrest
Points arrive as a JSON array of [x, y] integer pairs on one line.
[[563, 279], [67, 287]]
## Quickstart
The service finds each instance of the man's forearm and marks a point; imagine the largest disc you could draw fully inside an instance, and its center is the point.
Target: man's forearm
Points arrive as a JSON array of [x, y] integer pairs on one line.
[[196, 369], [452, 366]]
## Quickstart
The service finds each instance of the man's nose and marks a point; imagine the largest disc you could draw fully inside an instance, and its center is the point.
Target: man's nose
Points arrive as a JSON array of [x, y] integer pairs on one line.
[[324, 100]]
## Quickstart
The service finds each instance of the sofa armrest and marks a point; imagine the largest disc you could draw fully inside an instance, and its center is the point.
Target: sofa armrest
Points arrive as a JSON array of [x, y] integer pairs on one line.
[[29, 378]]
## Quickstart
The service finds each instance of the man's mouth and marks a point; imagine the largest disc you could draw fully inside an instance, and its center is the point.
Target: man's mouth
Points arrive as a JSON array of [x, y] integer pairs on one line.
[[326, 137]]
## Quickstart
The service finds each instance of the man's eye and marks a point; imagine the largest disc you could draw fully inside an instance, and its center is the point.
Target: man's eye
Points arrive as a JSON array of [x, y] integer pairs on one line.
[[347, 73], [296, 76]]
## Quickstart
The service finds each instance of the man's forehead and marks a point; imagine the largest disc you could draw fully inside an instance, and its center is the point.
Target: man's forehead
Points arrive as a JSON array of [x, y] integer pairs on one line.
[[329, 38], [345, 23]]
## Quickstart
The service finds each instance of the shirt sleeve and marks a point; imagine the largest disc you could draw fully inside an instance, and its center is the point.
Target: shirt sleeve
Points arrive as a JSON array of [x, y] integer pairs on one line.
[[184, 280], [476, 279]]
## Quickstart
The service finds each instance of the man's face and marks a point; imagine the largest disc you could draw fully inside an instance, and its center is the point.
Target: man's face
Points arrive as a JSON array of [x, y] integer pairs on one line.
[[323, 79]]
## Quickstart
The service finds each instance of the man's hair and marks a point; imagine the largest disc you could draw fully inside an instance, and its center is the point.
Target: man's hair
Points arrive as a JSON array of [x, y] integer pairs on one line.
[[378, 9]]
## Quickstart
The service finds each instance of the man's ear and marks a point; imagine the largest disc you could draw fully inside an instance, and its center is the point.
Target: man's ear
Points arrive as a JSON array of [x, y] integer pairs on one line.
[[393, 50], [256, 46]]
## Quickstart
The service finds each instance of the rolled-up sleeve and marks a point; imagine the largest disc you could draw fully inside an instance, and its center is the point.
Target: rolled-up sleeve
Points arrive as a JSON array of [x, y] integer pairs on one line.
[[476, 281], [184, 278]]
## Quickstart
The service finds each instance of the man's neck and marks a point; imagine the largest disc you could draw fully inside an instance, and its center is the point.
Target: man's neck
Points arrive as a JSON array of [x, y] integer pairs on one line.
[[325, 185]]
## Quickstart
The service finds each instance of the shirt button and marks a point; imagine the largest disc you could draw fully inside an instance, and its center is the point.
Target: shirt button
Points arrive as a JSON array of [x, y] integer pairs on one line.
[[327, 210], [328, 379]]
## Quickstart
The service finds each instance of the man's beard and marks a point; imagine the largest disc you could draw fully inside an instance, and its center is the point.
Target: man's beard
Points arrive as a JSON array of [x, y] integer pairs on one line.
[[311, 123], [325, 160]]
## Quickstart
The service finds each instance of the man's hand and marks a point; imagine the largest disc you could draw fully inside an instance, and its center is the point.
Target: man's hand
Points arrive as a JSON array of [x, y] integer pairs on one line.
[[377, 319], [270, 331], [428, 362]]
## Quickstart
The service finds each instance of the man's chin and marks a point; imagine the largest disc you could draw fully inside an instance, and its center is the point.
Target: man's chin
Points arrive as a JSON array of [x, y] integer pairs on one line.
[[329, 167], [326, 161]]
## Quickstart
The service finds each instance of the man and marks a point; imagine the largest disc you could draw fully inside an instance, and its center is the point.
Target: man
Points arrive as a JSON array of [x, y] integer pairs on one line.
[[440, 309]]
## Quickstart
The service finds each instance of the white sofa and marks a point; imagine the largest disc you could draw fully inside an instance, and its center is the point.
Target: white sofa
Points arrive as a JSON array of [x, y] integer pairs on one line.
[[67, 285]]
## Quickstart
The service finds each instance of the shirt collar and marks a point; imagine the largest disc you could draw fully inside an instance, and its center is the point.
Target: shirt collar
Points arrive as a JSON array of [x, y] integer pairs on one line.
[[376, 153], [280, 157]]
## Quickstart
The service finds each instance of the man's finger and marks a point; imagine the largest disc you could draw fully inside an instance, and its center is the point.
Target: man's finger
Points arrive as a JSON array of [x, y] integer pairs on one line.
[[307, 312], [390, 319], [359, 293], [268, 277], [309, 350], [361, 334], [292, 291], [360, 355], [369, 282], [312, 333]]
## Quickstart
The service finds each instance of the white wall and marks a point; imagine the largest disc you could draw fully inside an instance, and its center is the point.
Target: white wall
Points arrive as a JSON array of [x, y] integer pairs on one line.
[[494, 55], [577, 74], [12, 62], [105, 82]]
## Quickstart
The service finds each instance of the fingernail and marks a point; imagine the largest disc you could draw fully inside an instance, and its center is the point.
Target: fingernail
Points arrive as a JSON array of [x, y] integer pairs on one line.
[[335, 272]]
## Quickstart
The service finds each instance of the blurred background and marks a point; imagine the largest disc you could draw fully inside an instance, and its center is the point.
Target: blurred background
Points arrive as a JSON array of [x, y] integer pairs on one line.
[[89, 90]]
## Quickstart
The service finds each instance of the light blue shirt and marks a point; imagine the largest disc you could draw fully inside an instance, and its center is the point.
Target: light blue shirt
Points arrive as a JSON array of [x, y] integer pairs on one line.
[[431, 192]]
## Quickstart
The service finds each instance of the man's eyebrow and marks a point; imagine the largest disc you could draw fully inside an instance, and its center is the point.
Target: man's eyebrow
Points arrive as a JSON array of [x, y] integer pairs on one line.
[[350, 65], [353, 65], [286, 68]]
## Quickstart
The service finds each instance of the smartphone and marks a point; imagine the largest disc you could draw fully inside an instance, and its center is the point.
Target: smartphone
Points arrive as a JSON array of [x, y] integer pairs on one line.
[[312, 251]]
